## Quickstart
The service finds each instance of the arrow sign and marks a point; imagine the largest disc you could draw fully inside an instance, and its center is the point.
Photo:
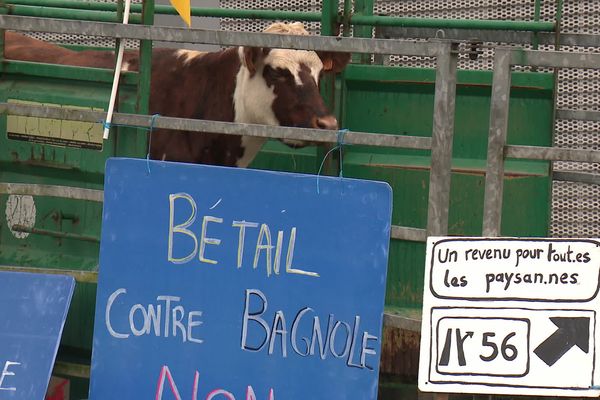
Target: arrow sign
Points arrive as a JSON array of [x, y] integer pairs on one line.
[[571, 332]]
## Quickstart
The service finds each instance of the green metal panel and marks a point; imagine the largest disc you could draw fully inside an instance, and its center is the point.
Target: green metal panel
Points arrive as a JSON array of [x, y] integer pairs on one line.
[[400, 101], [526, 208], [29, 162]]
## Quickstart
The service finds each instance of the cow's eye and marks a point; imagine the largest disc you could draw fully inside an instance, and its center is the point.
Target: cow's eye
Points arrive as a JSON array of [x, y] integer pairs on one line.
[[278, 74]]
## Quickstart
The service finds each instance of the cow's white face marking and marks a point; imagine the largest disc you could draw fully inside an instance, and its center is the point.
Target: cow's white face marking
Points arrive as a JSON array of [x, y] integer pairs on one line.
[[252, 98], [292, 59]]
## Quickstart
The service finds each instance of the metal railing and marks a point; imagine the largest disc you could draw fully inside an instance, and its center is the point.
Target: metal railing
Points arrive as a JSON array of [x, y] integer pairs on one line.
[[498, 150]]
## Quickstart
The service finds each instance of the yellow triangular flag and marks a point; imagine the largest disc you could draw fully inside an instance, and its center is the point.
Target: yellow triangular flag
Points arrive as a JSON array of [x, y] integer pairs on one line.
[[184, 10]]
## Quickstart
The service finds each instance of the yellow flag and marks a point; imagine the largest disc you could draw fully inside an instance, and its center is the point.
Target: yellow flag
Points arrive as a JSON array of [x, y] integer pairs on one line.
[[183, 8]]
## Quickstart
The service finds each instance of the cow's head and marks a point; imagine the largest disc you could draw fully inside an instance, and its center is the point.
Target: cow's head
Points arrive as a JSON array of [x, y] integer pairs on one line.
[[281, 86]]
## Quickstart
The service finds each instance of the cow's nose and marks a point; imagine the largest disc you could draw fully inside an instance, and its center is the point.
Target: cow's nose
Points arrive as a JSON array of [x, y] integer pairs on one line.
[[326, 122]]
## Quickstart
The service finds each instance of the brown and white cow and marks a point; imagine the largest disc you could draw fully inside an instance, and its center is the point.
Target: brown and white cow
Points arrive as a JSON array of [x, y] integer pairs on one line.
[[241, 84]]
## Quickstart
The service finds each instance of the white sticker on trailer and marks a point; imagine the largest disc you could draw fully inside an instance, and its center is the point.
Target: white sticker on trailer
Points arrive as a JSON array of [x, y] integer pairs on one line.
[[511, 316], [20, 211]]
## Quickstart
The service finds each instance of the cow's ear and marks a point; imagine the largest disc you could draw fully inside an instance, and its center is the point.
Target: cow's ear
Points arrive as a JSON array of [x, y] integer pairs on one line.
[[334, 61], [252, 57]]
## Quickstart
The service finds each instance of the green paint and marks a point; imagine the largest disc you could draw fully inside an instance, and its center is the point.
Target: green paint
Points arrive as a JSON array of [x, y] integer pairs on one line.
[[106, 8], [65, 13], [439, 23]]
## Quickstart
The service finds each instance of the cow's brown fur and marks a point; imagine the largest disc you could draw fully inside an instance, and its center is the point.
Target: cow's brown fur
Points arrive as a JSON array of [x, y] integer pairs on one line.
[[186, 78]]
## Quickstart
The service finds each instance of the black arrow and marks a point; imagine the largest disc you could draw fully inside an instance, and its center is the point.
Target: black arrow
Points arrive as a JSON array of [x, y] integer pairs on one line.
[[571, 332]]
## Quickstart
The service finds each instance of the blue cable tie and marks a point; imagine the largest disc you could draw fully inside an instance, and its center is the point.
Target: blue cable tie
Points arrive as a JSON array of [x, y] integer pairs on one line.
[[340, 144], [152, 122], [340, 141]]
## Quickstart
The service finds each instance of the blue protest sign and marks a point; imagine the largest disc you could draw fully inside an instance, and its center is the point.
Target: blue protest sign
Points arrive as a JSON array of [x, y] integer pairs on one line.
[[33, 309], [238, 284]]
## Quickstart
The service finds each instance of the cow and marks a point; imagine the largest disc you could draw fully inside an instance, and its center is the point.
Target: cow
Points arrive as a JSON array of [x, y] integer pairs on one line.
[[240, 84]]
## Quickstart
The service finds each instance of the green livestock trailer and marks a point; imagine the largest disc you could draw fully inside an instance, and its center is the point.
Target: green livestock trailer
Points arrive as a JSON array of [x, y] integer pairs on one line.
[[435, 124]]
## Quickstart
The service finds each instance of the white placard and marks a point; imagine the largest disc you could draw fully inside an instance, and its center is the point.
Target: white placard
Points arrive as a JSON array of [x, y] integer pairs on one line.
[[510, 316]]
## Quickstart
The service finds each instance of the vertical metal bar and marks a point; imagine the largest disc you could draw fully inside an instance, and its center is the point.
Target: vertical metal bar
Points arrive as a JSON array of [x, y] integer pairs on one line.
[[329, 10], [2, 31], [120, 11], [442, 137], [141, 143], [329, 28], [363, 7], [494, 176], [346, 13], [143, 94], [559, 15], [2, 11], [537, 13]]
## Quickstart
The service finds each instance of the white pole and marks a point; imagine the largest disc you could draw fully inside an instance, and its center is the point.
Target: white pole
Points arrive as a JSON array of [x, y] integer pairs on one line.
[[115, 86]]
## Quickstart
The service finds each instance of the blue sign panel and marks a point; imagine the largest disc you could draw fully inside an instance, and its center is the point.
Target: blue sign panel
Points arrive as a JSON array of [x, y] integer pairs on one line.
[[238, 284], [33, 309]]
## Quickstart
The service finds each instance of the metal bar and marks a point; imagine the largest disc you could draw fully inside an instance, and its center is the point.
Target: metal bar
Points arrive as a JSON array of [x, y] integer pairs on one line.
[[442, 137], [346, 12], [537, 12], [72, 4], [578, 115], [66, 72], [64, 13], [79, 276], [71, 369], [225, 38], [521, 37], [552, 153], [556, 59], [401, 321], [169, 10], [457, 34], [363, 7], [229, 128], [573, 39], [2, 11], [56, 234], [494, 176], [65, 192], [328, 17], [573, 176], [558, 18], [408, 233], [329, 10], [68, 192], [143, 92], [246, 14], [439, 23]]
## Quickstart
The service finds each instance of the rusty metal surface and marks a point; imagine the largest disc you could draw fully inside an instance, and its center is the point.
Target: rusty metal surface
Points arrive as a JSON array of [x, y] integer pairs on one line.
[[400, 353]]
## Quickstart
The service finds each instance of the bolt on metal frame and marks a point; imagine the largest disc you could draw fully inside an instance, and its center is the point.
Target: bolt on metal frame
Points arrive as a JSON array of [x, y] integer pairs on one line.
[[498, 149]]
